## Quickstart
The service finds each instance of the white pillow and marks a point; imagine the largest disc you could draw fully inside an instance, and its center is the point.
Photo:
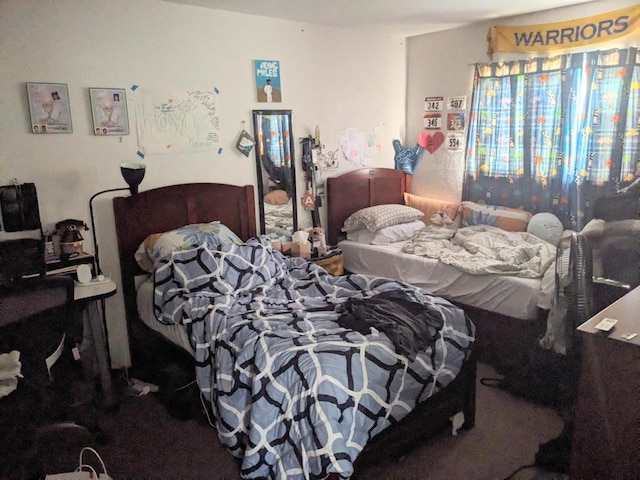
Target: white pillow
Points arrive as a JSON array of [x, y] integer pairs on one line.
[[386, 235], [380, 216]]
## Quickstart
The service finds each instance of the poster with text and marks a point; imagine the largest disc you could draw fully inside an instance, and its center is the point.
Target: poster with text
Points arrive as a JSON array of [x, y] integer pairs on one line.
[[268, 89], [172, 121]]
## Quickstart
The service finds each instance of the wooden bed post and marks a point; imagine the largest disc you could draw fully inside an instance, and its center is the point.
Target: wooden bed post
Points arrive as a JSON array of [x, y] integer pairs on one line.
[[407, 182]]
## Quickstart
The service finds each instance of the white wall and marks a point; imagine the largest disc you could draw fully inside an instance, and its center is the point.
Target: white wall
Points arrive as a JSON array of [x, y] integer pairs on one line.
[[331, 78], [442, 63]]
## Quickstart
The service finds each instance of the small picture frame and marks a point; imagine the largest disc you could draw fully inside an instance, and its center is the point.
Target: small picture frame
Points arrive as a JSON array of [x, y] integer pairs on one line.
[[49, 108], [109, 111]]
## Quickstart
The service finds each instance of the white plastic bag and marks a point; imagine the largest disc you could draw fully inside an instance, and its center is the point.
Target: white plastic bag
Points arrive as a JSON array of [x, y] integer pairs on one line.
[[10, 367], [84, 470]]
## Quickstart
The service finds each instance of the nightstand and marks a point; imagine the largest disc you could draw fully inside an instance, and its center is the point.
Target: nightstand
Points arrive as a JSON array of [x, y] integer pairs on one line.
[[332, 262], [64, 265]]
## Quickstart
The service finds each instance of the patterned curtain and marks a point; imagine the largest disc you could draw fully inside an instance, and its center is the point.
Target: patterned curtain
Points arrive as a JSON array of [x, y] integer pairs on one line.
[[554, 134]]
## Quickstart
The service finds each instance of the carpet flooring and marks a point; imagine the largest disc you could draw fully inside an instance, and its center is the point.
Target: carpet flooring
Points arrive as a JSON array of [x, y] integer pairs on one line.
[[144, 441]]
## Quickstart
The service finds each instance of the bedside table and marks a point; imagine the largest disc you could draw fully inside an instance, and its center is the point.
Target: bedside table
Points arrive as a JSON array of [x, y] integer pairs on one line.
[[332, 262]]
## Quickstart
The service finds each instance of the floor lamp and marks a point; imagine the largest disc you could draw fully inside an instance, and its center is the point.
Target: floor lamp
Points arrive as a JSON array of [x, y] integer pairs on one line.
[[133, 173]]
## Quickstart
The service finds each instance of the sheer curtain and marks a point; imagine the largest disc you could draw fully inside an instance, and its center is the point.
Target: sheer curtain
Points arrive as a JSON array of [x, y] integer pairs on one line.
[[554, 134]]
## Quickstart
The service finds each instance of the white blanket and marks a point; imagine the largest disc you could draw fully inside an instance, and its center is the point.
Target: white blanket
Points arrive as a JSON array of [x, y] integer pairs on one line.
[[483, 249]]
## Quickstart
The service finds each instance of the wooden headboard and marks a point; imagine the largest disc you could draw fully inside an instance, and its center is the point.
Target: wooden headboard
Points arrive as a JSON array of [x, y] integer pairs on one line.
[[358, 189], [165, 208]]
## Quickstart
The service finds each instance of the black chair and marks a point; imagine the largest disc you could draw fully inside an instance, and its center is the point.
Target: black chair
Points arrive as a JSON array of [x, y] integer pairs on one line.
[[617, 247], [36, 319]]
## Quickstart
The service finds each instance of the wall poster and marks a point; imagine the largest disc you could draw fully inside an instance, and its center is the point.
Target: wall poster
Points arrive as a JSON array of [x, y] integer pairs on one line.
[[177, 121], [268, 89]]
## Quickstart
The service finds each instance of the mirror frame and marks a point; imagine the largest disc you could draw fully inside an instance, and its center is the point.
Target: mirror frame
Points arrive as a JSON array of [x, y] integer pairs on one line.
[[264, 180]]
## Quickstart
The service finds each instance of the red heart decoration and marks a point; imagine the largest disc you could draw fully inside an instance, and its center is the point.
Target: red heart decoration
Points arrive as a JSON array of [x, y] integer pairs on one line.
[[434, 141], [422, 139]]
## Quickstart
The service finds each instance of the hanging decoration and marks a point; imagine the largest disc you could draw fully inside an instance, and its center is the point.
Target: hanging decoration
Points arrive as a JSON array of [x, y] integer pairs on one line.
[[407, 158], [311, 201], [245, 142], [581, 32]]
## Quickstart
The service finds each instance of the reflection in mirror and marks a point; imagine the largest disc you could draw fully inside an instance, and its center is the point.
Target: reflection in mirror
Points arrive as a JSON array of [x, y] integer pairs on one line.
[[276, 173]]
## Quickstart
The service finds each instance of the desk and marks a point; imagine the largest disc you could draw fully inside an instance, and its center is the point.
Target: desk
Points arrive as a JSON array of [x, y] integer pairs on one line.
[[607, 418], [89, 297]]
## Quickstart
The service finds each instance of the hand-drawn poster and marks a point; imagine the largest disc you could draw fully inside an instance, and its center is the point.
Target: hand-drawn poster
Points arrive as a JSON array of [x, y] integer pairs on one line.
[[360, 148], [268, 89], [178, 121]]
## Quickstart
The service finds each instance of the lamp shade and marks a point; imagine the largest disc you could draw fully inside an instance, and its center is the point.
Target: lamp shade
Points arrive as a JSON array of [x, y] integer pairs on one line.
[[133, 174]]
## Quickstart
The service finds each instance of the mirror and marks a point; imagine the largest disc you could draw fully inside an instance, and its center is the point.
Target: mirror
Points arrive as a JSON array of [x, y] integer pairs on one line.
[[276, 173]]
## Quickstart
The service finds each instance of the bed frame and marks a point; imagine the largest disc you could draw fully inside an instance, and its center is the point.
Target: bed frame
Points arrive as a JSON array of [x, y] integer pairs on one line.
[[500, 340], [166, 208]]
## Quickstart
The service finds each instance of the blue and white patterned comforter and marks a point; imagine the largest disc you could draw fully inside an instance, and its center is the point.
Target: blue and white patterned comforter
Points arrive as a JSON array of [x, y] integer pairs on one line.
[[294, 394]]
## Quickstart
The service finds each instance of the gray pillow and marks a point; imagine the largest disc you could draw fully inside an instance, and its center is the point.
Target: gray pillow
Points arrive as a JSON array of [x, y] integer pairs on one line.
[[381, 216]]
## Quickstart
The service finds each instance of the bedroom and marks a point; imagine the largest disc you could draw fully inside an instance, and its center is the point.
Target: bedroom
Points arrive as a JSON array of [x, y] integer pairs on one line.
[[121, 44]]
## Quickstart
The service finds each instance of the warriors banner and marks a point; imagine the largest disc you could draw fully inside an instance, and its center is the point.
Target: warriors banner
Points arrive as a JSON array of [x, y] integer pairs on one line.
[[565, 35]]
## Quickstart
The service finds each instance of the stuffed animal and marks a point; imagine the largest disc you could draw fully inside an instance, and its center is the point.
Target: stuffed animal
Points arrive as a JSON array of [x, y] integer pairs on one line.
[[406, 159]]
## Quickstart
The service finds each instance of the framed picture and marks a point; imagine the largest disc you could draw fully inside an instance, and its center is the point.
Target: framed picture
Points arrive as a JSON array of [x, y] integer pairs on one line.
[[109, 111], [49, 108]]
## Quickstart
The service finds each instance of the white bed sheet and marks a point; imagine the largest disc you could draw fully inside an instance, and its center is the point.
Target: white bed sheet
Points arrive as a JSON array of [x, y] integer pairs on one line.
[[177, 334], [508, 295]]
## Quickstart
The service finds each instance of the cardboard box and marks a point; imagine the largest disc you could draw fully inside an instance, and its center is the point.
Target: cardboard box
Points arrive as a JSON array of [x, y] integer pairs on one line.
[[301, 250]]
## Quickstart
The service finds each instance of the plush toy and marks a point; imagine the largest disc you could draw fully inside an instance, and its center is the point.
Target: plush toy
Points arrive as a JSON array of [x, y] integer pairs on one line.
[[406, 158]]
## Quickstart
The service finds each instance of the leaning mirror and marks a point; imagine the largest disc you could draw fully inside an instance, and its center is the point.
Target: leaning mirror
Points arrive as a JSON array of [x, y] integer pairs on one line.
[[276, 173]]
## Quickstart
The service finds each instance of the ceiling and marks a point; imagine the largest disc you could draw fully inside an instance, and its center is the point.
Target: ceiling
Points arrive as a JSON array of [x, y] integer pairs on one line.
[[404, 17]]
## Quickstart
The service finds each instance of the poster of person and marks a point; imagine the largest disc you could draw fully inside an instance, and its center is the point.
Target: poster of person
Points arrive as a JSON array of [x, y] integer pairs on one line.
[[268, 89], [49, 108]]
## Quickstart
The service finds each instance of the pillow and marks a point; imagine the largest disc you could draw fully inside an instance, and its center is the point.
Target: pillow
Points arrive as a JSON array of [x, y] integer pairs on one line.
[[431, 206], [510, 219], [276, 197], [159, 245], [546, 226], [380, 216], [386, 235]]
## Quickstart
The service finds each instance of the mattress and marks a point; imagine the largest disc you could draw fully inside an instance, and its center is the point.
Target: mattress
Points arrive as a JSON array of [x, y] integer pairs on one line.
[[176, 334], [508, 295]]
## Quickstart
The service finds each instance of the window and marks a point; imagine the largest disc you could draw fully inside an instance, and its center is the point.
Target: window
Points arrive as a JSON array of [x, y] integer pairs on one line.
[[554, 134]]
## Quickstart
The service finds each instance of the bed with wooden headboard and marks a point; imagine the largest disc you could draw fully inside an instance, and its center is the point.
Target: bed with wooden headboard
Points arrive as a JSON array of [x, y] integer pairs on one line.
[[501, 339], [166, 208]]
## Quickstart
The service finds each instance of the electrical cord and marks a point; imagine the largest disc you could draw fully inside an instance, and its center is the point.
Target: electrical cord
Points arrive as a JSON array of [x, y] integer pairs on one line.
[[518, 470], [206, 410]]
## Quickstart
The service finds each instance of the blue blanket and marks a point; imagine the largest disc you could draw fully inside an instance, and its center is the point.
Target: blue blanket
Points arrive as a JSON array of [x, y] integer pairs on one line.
[[294, 394]]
